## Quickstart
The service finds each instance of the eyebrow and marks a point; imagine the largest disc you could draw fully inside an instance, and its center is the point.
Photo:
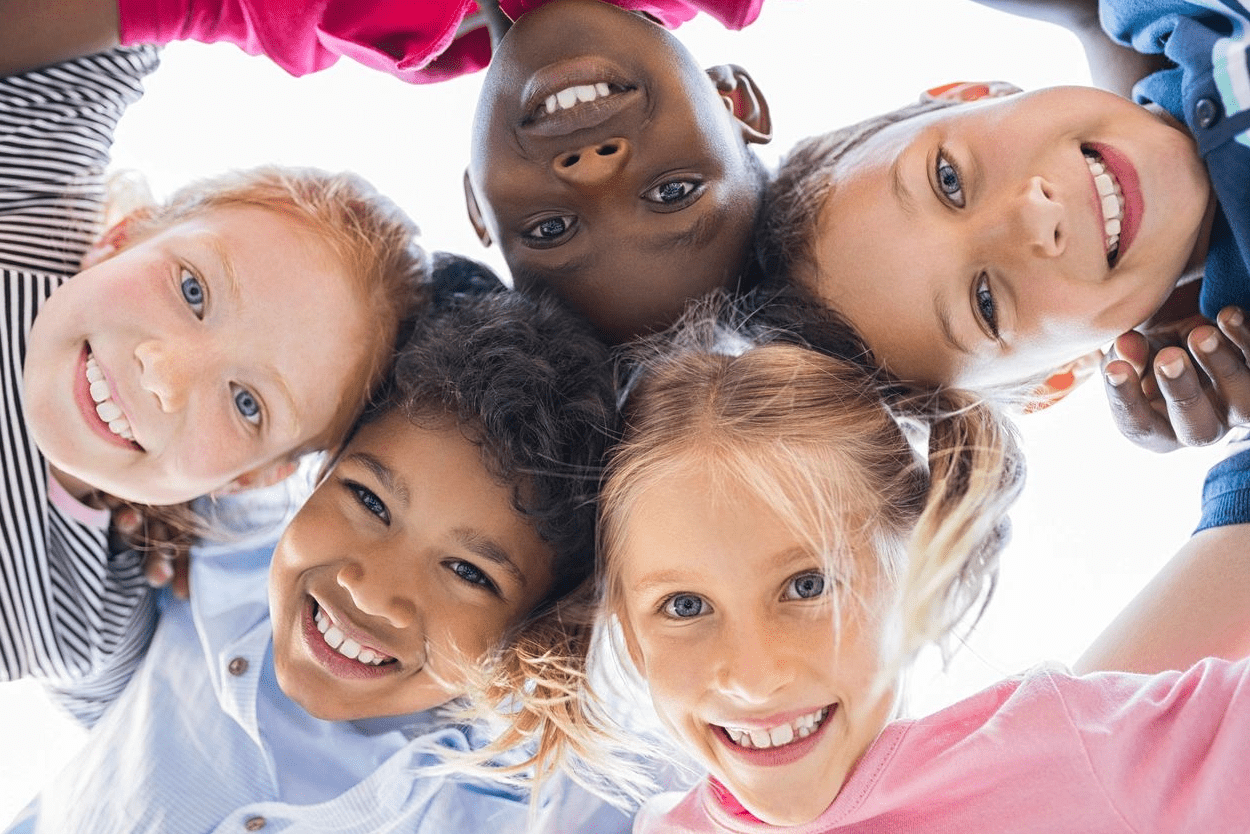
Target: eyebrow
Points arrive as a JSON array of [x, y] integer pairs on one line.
[[694, 236], [943, 313], [227, 269], [392, 482], [902, 193], [279, 383], [490, 550]]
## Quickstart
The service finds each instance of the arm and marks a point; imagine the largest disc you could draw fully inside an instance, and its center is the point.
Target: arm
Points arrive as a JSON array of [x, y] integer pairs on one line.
[[1198, 606], [1112, 66], [40, 32]]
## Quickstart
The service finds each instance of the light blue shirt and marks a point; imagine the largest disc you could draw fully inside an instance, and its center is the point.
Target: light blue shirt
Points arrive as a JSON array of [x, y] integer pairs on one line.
[[203, 740]]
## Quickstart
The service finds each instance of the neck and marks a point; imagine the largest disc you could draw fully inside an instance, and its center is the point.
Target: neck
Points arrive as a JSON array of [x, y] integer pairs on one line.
[[81, 490], [1198, 257]]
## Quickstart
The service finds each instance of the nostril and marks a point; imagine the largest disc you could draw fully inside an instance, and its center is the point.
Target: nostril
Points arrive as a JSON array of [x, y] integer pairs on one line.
[[606, 150], [570, 160]]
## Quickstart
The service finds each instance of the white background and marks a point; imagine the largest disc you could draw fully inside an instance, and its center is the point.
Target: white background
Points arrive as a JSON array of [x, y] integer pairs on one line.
[[1098, 516]]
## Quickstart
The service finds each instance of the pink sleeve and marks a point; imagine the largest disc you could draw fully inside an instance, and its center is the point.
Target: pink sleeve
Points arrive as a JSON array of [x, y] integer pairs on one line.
[[399, 38], [1173, 755]]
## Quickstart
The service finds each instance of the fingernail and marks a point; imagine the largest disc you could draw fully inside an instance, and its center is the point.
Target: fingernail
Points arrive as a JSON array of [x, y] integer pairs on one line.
[[1235, 318], [1116, 378], [160, 574], [1209, 344], [1172, 369]]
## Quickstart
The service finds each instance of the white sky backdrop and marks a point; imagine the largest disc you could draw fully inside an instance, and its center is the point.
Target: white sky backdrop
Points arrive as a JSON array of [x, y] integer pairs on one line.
[[1098, 517]]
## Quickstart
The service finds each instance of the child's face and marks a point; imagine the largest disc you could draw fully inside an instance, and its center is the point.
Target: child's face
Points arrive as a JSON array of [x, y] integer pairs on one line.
[[212, 348], [626, 205], [407, 559], [730, 621], [973, 245]]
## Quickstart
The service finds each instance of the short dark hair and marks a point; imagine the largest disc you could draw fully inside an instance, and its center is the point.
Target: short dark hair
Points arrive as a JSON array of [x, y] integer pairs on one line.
[[531, 385]]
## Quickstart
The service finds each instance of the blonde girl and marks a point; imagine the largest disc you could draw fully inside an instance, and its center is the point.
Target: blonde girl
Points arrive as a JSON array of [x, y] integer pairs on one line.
[[774, 552], [200, 345]]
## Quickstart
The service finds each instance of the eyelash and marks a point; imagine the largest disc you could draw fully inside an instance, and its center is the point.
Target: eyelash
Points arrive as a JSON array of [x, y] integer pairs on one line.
[[653, 195], [984, 305], [666, 606], [480, 580], [944, 163], [368, 500], [187, 278], [824, 586], [538, 242]]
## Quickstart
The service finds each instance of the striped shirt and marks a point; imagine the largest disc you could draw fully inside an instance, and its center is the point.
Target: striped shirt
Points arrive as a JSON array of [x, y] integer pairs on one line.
[[71, 612]]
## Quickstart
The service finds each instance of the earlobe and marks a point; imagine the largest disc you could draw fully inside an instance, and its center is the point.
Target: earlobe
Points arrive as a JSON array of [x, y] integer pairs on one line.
[[475, 213], [120, 235], [257, 478], [745, 101]]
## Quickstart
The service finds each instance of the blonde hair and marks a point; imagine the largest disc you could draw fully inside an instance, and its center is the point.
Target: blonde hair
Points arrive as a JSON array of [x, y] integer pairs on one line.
[[823, 439], [373, 239]]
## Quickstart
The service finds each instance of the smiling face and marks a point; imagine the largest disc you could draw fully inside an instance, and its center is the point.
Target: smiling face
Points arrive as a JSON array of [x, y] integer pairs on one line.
[[609, 169], [990, 242], [194, 357], [750, 664], [407, 559]]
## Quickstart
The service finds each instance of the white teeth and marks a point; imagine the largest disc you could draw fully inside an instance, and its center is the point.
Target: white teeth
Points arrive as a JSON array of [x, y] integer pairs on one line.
[[105, 408], [1112, 198], [779, 736], [572, 96], [344, 645]]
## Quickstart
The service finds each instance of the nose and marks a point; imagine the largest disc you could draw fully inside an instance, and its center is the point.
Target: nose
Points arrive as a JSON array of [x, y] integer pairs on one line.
[[166, 370], [751, 662], [593, 165], [377, 593], [1042, 224]]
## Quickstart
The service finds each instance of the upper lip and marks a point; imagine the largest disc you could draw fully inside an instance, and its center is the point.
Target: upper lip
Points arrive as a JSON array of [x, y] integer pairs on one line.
[[768, 722], [365, 638]]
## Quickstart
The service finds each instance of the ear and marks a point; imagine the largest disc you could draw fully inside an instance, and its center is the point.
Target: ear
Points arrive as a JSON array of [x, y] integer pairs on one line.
[[262, 477], [745, 101], [117, 238], [961, 91], [475, 212]]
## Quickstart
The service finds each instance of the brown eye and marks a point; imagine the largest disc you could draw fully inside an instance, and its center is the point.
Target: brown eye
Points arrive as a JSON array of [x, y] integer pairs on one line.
[[550, 230]]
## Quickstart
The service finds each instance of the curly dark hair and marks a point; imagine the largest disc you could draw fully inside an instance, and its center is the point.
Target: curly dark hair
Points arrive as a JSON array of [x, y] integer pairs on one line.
[[531, 385]]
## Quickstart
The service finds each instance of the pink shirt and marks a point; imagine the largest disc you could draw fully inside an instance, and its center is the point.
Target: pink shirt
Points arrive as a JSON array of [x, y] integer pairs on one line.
[[1045, 753], [419, 41]]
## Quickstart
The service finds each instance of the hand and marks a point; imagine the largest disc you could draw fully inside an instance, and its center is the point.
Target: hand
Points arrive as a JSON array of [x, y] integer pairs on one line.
[[1168, 401], [166, 547]]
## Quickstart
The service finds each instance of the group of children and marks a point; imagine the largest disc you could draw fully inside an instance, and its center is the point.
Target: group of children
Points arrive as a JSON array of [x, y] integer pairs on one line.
[[807, 486]]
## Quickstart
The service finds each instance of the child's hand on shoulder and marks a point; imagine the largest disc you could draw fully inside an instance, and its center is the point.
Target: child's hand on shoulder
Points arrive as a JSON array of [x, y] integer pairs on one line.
[[1188, 390]]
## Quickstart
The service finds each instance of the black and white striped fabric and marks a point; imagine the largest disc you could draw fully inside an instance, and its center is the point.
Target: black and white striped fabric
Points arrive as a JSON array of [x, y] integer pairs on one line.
[[71, 613]]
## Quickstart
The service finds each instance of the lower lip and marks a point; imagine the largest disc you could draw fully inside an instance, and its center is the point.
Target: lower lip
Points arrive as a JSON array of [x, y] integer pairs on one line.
[[1134, 206], [332, 661], [774, 756], [82, 396], [574, 72]]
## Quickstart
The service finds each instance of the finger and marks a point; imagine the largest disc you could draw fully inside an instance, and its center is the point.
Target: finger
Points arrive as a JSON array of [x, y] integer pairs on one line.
[[158, 568], [1132, 347], [1232, 322], [128, 521], [1132, 411], [1226, 366], [181, 581], [1195, 420]]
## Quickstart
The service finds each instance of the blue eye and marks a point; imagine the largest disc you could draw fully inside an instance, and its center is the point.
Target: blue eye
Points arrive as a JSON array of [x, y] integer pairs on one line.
[[193, 292], [684, 606], [471, 574], [367, 499], [246, 404], [673, 192], [806, 586], [949, 182], [987, 307]]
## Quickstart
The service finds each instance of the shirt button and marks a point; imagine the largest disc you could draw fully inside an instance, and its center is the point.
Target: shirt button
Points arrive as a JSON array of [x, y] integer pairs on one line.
[[237, 667], [254, 823], [1206, 112]]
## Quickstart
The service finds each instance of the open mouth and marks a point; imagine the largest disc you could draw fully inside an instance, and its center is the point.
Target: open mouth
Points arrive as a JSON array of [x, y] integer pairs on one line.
[[783, 734], [571, 97], [109, 412], [1111, 201], [344, 645]]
